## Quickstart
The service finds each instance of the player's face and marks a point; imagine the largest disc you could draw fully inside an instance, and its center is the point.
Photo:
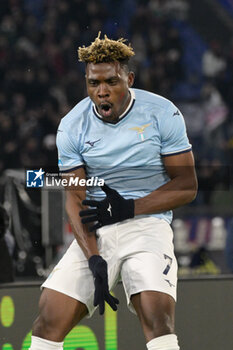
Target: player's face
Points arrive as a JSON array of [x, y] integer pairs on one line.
[[108, 87]]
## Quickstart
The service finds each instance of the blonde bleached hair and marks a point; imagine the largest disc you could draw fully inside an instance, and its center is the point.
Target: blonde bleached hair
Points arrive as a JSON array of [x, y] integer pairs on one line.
[[105, 50]]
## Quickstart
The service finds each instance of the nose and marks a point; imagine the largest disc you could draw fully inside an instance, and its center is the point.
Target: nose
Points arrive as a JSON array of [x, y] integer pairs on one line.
[[103, 91]]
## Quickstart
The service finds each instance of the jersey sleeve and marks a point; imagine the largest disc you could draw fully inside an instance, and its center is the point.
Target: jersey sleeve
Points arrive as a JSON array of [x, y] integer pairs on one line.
[[174, 139], [69, 157]]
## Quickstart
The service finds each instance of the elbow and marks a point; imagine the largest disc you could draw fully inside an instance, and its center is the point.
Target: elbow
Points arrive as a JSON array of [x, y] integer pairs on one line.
[[192, 193]]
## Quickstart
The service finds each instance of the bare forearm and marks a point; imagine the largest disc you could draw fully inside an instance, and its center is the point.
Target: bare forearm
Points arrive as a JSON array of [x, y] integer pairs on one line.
[[86, 241], [173, 194]]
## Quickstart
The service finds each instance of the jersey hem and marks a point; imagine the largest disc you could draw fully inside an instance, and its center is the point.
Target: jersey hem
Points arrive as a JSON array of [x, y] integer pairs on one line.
[[175, 153], [72, 169]]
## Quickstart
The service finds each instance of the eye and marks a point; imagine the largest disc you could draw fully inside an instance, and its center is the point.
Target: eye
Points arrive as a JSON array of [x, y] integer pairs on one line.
[[93, 83], [112, 82]]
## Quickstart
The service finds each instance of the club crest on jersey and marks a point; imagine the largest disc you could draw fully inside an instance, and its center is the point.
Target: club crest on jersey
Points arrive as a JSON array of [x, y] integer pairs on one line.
[[140, 130]]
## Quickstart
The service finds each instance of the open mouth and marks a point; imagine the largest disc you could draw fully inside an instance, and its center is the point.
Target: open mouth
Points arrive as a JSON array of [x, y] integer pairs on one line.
[[105, 109]]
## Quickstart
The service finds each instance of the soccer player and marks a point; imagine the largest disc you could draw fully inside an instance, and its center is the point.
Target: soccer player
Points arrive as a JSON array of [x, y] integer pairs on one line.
[[136, 141]]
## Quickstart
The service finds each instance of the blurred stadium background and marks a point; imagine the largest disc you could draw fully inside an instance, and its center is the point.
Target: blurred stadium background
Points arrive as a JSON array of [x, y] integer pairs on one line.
[[184, 51]]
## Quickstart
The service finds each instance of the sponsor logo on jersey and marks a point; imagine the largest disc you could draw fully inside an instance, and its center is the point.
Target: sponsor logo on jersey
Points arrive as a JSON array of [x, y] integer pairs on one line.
[[176, 113], [92, 143]]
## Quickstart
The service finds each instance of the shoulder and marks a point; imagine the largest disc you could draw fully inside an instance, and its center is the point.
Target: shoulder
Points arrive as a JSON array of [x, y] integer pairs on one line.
[[151, 99], [77, 116], [158, 107]]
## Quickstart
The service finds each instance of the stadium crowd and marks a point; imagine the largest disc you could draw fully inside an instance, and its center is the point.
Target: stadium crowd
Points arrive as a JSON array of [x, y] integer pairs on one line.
[[41, 78]]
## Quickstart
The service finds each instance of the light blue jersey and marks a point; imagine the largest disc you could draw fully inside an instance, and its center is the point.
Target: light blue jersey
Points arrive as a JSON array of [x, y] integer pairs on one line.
[[127, 155]]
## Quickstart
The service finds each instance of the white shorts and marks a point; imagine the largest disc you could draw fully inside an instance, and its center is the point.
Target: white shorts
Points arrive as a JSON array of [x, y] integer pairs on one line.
[[139, 251]]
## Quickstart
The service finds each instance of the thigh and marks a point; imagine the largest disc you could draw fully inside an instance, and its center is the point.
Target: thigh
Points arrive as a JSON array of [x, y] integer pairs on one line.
[[156, 312], [147, 271], [151, 264], [72, 277], [58, 314]]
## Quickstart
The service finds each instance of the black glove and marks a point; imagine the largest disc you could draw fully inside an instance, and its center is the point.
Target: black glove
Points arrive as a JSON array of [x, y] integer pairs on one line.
[[98, 267], [113, 208]]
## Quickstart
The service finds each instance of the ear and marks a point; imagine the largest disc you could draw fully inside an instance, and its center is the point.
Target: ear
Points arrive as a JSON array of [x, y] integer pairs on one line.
[[130, 79]]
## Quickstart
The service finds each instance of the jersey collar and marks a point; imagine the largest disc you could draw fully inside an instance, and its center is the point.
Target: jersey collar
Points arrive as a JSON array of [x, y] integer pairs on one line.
[[128, 109]]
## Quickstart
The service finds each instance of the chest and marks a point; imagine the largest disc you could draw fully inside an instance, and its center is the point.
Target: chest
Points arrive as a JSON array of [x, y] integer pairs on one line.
[[128, 144]]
